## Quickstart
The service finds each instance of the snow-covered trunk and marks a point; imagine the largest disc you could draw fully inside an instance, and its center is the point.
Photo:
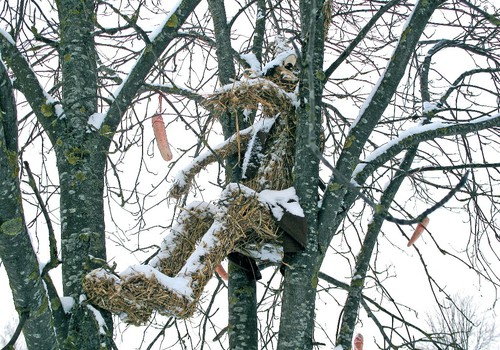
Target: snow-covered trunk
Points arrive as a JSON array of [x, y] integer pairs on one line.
[[301, 276], [16, 251]]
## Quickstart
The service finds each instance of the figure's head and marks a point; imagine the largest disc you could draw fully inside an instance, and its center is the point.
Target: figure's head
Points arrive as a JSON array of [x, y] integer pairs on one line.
[[282, 71]]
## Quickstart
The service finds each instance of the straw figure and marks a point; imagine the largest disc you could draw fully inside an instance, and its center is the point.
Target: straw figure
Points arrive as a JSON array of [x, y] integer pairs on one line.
[[258, 218]]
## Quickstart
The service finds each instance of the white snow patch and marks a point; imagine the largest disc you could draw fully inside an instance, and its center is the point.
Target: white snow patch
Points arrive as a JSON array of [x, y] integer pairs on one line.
[[429, 107], [99, 319], [280, 201], [267, 252], [485, 118], [253, 62], [67, 303], [96, 120], [251, 149], [175, 284], [7, 36]]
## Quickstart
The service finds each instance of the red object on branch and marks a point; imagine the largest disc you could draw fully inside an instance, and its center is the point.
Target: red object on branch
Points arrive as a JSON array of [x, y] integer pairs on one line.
[[358, 342], [160, 133], [418, 231], [161, 137], [221, 272]]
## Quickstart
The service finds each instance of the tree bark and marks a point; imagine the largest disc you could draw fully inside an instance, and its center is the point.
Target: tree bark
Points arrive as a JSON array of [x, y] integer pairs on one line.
[[242, 299], [301, 277], [242, 295], [16, 251]]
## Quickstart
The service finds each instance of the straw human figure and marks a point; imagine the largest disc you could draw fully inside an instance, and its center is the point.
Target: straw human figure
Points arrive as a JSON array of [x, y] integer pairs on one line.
[[259, 217]]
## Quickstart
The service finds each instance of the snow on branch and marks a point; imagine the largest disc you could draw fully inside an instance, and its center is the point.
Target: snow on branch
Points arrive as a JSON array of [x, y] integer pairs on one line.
[[418, 134]]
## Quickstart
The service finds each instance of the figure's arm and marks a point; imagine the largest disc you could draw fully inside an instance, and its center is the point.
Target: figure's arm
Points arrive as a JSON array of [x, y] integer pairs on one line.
[[232, 145]]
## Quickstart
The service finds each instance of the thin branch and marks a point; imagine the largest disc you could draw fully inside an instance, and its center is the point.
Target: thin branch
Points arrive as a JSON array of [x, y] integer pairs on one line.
[[54, 260], [23, 317], [361, 35]]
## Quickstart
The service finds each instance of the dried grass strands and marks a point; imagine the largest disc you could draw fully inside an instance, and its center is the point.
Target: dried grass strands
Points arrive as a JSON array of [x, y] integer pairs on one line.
[[249, 95], [180, 244], [135, 297], [231, 146]]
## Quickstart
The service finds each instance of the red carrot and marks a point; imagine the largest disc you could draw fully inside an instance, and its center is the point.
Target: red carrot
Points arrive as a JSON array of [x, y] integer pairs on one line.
[[221, 272], [418, 231], [161, 137], [358, 342]]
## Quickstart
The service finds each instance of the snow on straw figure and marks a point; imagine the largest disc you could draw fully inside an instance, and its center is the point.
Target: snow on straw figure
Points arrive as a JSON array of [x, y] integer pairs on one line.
[[258, 218], [160, 133]]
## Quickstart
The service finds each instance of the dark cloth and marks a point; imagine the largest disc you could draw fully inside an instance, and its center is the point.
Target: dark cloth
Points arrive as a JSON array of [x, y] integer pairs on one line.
[[295, 229], [247, 264]]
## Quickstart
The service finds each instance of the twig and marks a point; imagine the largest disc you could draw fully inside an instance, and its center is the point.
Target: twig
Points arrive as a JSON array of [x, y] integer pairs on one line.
[[340, 178], [54, 261]]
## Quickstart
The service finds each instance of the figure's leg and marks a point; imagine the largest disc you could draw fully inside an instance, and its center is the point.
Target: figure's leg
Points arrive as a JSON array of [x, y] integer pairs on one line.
[[240, 214], [191, 224], [142, 289]]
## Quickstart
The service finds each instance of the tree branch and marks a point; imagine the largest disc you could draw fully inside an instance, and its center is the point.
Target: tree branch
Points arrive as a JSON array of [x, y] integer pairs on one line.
[[361, 35], [27, 83], [16, 250], [150, 54], [23, 317], [371, 112], [417, 135]]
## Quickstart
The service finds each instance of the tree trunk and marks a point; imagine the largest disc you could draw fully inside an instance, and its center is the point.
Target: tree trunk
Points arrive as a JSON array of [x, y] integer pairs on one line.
[[242, 310], [16, 251], [301, 276], [243, 332]]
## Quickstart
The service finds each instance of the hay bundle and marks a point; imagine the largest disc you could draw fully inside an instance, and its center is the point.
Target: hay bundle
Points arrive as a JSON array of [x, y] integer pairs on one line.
[[192, 224], [242, 218], [206, 233], [249, 95], [135, 297], [201, 240], [247, 215]]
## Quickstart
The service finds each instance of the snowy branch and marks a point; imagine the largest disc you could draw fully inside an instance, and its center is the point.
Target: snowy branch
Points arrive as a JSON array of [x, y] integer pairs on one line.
[[416, 135], [150, 54]]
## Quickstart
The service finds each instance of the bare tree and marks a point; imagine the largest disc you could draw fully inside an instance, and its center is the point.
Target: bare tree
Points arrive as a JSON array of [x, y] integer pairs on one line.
[[379, 127], [460, 324]]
